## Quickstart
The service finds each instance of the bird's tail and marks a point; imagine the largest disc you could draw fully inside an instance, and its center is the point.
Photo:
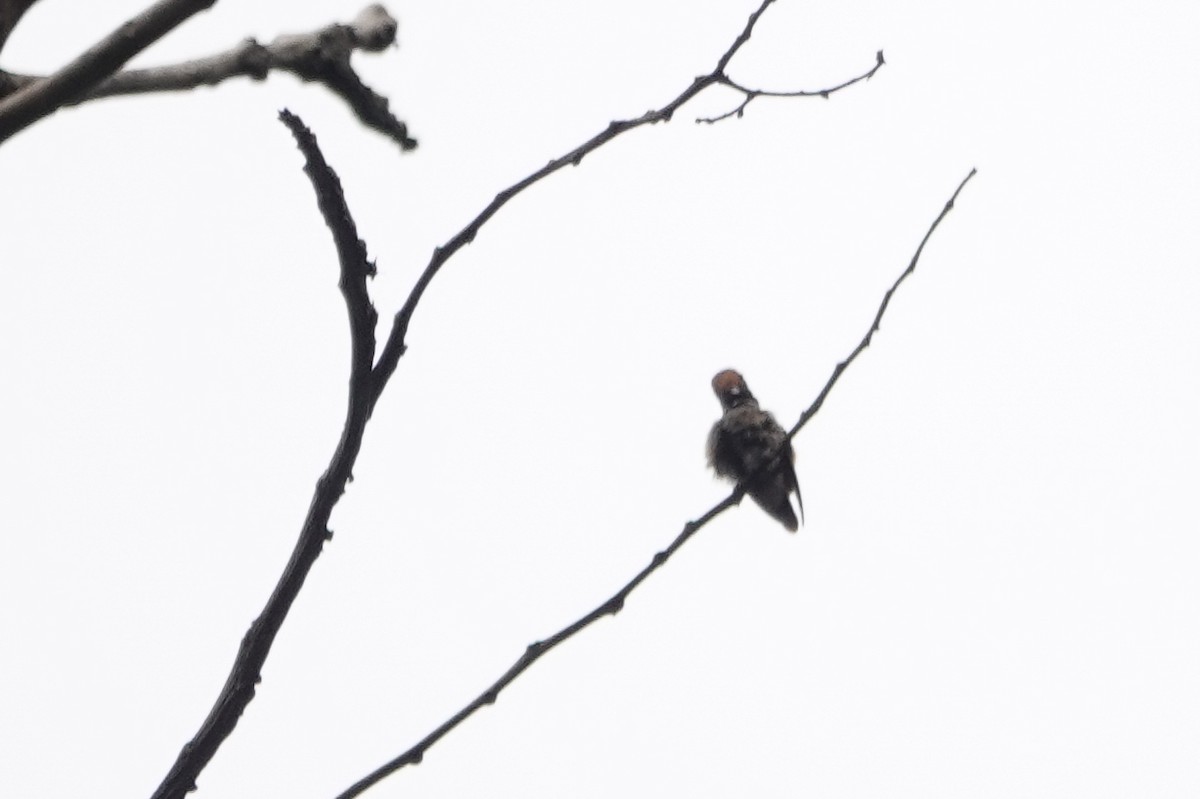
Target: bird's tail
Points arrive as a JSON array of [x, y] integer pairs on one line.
[[774, 500]]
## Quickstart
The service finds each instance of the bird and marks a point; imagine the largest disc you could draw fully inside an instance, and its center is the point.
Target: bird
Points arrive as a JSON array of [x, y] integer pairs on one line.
[[748, 446]]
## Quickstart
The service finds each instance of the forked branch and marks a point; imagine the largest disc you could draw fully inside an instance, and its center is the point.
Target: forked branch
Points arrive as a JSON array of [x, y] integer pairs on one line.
[[27, 105], [367, 383], [615, 603], [321, 56], [395, 346], [749, 95]]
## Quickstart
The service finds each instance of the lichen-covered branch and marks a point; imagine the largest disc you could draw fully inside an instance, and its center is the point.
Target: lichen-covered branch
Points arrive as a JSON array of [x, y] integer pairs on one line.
[[39, 99], [321, 56]]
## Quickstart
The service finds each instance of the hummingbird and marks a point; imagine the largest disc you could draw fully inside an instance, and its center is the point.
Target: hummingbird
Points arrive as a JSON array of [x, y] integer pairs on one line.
[[748, 446]]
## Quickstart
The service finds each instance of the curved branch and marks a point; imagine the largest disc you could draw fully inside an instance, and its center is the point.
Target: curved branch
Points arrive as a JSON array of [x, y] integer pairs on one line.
[[34, 101], [615, 603], [256, 644], [321, 56], [355, 269], [366, 385], [11, 12], [395, 347], [751, 94]]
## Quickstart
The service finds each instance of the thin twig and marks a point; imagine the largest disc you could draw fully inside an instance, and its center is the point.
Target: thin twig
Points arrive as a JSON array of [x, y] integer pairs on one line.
[[26, 106], [751, 94], [321, 56], [533, 652], [367, 384], [256, 644], [812, 409], [614, 604], [395, 347]]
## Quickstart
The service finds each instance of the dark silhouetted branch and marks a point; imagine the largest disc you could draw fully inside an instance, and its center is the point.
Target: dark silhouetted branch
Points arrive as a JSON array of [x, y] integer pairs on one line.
[[534, 651], [256, 644], [394, 349], [355, 269], [812, 409], [366, 385], [322, 56], [32, 102], [10, 14], [749, 95], [616, 602]]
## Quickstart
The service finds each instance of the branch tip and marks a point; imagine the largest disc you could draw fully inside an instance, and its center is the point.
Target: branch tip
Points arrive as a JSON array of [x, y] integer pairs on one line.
[[396, 347], [842, 365], [321, 56]]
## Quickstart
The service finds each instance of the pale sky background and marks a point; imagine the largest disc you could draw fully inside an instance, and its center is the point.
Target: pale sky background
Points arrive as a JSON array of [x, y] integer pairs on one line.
[[995, 594]]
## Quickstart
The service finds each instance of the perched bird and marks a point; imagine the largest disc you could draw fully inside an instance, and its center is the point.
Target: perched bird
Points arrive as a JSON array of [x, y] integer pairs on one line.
[[747, 445]]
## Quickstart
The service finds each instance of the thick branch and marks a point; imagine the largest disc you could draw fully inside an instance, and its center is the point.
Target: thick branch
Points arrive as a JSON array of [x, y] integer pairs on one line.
[[322, 56], [366, 386], [616, 602], [256, 644], [10, 14], [24, 107], [395, 347]]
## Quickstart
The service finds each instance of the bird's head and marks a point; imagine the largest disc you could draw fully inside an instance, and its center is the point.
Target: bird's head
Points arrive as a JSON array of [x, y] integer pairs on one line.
[[731, 389]]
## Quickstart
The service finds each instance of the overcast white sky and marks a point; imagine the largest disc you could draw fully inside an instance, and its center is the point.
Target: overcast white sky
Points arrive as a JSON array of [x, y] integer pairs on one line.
[[995, 595]]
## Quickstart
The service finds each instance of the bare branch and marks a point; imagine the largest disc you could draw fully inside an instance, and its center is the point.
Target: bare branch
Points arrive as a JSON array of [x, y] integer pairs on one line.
[[352, 258], [395, 347], [10, 14], [616, 602], [610, 607], [256, 644], [327, 61], [321, 56], [741, 39], [811, 411], [22, 108], [751, 94], [366, 385]]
